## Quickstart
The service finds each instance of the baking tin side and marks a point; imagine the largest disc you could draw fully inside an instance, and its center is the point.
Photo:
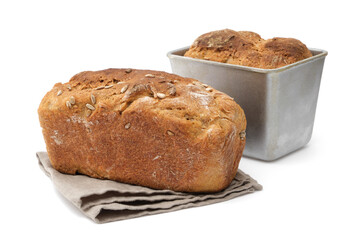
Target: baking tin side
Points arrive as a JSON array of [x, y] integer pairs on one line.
[[277, 123]]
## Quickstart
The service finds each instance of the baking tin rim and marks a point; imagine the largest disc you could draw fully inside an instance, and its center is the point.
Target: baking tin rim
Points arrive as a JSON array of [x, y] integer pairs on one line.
[[323, 53]]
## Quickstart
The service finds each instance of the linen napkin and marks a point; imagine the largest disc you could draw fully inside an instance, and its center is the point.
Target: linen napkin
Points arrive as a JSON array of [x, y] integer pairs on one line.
[[106, 201]]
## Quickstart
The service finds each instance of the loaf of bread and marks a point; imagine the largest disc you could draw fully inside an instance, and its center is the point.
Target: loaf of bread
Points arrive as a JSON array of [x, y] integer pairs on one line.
[[144, 127], [247, 49]]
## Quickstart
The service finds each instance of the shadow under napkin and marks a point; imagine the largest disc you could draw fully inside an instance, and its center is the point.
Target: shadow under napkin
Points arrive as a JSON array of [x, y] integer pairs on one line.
[[106, 201]]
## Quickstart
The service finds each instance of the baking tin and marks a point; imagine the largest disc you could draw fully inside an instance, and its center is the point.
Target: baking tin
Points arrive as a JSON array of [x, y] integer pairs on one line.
[[279, 103]]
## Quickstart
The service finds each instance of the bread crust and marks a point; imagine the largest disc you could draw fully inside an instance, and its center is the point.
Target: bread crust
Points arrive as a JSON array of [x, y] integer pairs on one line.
[[147, 128], [247, 49]]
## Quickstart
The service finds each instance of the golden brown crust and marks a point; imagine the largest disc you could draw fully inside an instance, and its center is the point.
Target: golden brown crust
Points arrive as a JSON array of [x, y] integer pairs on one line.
[[247, 49], [144, 127]]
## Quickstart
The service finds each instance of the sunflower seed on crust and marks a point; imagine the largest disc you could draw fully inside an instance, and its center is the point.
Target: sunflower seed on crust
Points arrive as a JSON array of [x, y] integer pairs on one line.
[[107, 87], [93, 99], [89, 106], [129, 70], [172, 91], [150, 75], [99, 88], [72, 100], [160, 95], [88, 112], [127, 126], [68, 104], [153, 90], [59, 93], [124, 88], [170, 133], [242, 135]]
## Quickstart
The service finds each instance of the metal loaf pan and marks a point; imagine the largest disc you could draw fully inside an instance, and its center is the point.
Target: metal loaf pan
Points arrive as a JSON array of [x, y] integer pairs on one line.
[[279, 103]]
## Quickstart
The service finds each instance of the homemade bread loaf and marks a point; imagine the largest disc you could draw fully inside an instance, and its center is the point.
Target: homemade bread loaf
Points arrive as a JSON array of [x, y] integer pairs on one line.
[[144, 127], [247, 49]]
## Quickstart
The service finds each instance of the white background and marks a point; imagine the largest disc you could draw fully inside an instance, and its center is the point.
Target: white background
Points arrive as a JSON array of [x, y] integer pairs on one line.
[[312, 193]]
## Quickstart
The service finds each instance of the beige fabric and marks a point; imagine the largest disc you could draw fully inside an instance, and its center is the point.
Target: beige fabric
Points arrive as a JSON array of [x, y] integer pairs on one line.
[[105, 201]]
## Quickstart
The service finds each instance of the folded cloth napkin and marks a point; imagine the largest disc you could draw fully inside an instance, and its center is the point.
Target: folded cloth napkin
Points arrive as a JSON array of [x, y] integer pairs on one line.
[[105, 200]]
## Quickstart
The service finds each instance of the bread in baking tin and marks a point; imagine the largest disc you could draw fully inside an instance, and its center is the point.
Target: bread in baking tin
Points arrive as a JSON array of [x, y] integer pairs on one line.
[[247, 49]]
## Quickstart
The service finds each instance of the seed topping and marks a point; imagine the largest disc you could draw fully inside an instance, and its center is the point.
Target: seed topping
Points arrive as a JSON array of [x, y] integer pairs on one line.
[[93, 99], [242, 135], [150, 75], [72, 100], [88, 112], [89, 106], [124, 88], [68, 104], [127, 126], [172, 91], [160, 95], [128, 70], [170, 133], [107, 87], [209, 89]]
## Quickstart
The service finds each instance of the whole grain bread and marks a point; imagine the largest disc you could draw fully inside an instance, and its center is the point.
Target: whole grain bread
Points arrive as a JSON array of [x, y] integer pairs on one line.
[[144, 127], [247, 49]]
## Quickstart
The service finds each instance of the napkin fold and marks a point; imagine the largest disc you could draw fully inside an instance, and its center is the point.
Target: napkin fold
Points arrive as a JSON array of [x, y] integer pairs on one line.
[[106, 201]]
